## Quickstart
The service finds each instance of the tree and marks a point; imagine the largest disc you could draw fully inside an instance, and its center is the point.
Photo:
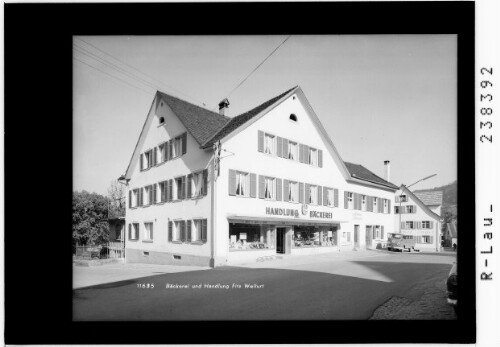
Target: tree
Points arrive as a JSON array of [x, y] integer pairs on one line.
[[90, 218], [116, 195]]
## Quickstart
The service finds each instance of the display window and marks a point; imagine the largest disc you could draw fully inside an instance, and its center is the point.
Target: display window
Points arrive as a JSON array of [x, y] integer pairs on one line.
[[248, 237], [306, 236]]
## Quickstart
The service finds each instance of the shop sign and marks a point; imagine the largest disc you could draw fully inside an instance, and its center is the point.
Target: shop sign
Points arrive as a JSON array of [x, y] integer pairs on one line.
[[317, 214], [275, 211], [304, 209]]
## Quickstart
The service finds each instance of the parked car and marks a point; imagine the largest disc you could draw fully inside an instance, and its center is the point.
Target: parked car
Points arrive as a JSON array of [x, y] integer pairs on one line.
[[452, 287], [400, 243]]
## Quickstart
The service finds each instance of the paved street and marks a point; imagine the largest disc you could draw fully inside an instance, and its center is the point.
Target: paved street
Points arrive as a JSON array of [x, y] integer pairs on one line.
[[345, 285]]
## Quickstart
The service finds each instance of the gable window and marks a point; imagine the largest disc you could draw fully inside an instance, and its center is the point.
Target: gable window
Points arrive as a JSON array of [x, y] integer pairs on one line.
[[410, 209], [270, 144], [401, 198], [162, 120], [426, 224], [242, 184], [148, 231], [133, 231], [270, 188], [375, 204], [363, 202], [162, 151], [329, 197], [178, 146], [313, 156], [147, 160], [350, 200], [293, 151], [293, 192], [293, 117]]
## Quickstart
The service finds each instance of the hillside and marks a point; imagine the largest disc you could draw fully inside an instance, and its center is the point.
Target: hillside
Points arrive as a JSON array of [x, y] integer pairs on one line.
[[449, 200]]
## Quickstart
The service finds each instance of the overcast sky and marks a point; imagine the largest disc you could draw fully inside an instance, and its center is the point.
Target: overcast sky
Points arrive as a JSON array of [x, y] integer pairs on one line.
[[379, 97]]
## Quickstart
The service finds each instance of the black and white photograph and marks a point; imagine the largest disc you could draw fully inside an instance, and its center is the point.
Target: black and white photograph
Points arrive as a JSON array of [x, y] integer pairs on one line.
[[265, 177]]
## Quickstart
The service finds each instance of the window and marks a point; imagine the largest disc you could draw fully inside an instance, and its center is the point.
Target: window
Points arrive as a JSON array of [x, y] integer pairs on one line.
[[426, 224], [270, 144], [133, 231], [293, 192], [196, 230], [425, 239], [350, 202], [179, 190], [162, 151], [377, 232], [177, 146], [348, 236], [293, 117], [313, 156], [270, 188], [148, 231], [375, 204], [242, 184], [148, 159], [409, 225], [293, 151], [313, 195], [329, 197], [148, 195], [162, 120], [176, 232], [397, 210], [386, 206], [197, 184], [401, 198], [163, 191], [363, 202], [407, 237], [410, 209], [135, 198]]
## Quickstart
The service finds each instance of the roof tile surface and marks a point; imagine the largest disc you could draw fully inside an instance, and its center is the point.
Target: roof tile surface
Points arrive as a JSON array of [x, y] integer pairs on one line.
[[429, 197], [359, 171]]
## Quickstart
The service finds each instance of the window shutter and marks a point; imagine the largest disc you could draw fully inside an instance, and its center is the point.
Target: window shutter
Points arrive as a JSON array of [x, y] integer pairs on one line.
[[232, 182], [279, 189], [262, 186], [374, 232], [402, 225], [320, 195], [184, 187], [205, 182], [308, 192], [286, 188], [183, 230], [130, 231], [260, 141], [204, 230], [389, 206], [285, 148], [320, 158], [129, 199], [325, 196], [166, 151], [346, 203], [188, 236], [414, 208], [306, 154], [154, 193], [253, 185], [301, 152], [139, 197], [171, 148], [355, 200], [141, 162], [184, 143], [155, 150], [279, 146], [189, 192], [336, 197], [382, 228], [170, 190], [301, 192], [169, 231]]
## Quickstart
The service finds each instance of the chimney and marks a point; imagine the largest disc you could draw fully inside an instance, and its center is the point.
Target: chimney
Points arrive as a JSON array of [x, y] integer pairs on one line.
[[223, 105], [387, 171]]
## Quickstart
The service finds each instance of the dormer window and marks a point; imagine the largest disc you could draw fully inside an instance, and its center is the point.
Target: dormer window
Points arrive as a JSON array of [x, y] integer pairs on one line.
[[293, 117], [162, 120]]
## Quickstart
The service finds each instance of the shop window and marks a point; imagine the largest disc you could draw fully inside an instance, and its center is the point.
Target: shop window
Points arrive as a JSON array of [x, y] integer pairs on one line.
[[270, 144], [270, 188], [293, 192], [242, 184], [246, 237], [350, 200], [293, 151], [363, 202], [148, 231], [313, 156], [133, 231], [306, 236]]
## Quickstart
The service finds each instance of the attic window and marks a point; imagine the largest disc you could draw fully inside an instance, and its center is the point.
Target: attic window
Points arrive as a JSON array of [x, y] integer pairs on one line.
[[162, 120], [293, 117]]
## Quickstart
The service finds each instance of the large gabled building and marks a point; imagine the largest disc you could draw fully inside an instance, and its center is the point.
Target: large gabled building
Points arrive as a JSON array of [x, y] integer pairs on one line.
[[206, 189]]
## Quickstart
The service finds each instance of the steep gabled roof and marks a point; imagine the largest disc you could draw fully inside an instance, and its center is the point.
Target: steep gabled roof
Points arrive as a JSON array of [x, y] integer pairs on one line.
[[430, 197], [420, 203], [241, 119], [361, 172], [200, 122]]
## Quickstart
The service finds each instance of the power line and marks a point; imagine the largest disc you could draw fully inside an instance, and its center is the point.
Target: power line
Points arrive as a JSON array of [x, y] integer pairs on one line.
[[151, 77], [255, 69], [131, 85]]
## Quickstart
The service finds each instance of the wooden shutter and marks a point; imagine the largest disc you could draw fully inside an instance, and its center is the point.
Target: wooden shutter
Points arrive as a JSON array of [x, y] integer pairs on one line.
[[184, 143], [414, 208], [154, 193], [166, 151], [139, 197], [183, 187], [355, 198], [388, 206], [171, 148], [130, 231], [141, 161], [319, 196], [205, 182], [155, 150], [183, 230], [346, 201], [262, 186], [169, 231], [431, 239], [301, 152], [279, 146], [129, 199], [306, 154], [253, 185], [260, 141], [325, 196], [170, 190], [336, 197], [285, 148], [279, 189], [189, 192], [188, 233], [382, 231], [286, 188], [232, 182], [308, 192], [204, 230], [301, 192], [320, 158]]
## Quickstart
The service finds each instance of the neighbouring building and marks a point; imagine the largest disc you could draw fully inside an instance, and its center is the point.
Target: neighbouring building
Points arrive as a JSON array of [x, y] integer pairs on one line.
[[451, 236], [206, 189], [418, 215]]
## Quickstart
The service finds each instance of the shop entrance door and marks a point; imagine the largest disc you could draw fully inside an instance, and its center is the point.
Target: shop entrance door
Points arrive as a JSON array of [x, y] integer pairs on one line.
[[280, 240], [356, 236]]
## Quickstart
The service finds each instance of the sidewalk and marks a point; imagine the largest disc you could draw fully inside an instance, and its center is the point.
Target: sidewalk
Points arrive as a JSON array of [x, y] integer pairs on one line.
[[90, 276]]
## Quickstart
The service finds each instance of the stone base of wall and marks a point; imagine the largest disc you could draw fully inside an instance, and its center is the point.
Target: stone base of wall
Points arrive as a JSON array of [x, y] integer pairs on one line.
[[165, 258]]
